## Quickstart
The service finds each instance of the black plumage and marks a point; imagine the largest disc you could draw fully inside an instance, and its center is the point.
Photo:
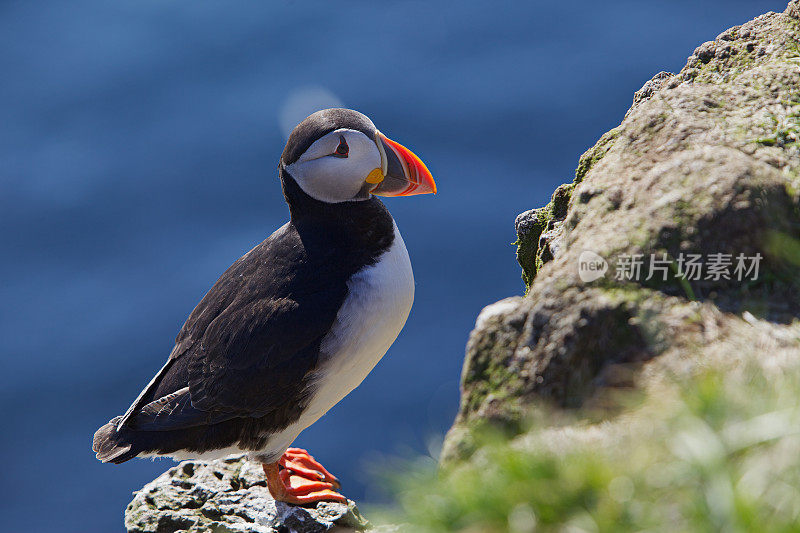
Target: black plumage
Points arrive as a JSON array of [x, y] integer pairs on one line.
[[240, 368]]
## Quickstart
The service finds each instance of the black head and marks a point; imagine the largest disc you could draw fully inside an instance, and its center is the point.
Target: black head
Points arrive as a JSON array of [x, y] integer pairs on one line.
[[321, 123], [338, 155]]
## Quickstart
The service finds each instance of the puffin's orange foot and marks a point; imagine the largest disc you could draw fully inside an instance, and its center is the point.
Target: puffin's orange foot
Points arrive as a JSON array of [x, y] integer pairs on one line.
[[301, 463], [308, 485]]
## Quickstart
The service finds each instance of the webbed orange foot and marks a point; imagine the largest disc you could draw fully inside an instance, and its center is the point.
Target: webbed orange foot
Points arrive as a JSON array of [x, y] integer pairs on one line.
[[300, 462], [299, 479]]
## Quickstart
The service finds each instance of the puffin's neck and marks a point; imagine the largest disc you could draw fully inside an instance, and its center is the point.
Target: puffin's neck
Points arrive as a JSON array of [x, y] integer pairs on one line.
[[360, 223]]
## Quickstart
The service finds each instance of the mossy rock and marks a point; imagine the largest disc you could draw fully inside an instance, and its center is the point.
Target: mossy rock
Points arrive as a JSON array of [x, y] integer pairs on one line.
[[706, 161]]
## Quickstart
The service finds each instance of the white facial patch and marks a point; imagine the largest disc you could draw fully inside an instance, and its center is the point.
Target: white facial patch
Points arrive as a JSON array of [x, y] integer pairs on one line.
[[329, 178]]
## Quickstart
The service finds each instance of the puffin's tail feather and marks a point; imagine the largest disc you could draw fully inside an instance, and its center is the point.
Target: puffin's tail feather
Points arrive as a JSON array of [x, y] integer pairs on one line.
[[112, 446]]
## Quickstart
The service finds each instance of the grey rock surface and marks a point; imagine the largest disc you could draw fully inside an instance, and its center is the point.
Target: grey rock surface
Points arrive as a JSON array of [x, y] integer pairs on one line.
[[706, 161], [228, 495]]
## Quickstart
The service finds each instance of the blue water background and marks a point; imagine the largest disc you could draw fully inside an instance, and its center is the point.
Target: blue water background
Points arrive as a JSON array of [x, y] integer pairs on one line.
[[138, 148]]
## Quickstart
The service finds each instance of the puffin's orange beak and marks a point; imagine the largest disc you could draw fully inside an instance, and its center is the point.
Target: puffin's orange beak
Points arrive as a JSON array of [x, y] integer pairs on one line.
[[404, 174]]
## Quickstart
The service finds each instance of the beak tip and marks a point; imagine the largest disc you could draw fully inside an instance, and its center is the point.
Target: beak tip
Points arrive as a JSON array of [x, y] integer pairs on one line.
[[431, 184], [408, 169]]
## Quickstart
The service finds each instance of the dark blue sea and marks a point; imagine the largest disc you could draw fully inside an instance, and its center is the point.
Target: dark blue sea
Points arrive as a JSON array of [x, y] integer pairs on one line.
[[138, 149]]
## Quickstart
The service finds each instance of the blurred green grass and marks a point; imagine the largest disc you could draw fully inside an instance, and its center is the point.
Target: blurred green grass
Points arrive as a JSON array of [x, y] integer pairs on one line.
[[718, 451]]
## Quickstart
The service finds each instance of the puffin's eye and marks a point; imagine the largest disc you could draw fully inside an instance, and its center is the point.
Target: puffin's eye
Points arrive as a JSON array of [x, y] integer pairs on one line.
[[342, 150]]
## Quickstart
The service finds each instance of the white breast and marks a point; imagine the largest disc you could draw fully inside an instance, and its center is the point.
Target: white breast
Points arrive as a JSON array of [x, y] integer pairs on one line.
[[374, 312], [376, 308]]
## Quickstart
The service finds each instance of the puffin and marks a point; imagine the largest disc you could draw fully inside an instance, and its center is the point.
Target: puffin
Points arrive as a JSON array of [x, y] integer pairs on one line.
[[295, 324]]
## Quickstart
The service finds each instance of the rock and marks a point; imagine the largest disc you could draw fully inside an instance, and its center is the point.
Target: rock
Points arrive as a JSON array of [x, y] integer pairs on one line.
[[650, 88], [706, 161], [794, 9], [228, 495]]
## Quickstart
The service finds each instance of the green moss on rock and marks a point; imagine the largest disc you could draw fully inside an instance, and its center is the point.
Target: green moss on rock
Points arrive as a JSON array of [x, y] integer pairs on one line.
[[537, 228], [596, 153], [531, 225], [739, 49]]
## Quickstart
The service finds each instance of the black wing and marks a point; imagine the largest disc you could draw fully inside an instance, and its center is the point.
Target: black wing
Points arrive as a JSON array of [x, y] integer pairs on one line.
[[248, 346]]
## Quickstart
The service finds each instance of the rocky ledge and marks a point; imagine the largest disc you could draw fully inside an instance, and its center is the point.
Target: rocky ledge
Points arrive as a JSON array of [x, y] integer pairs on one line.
[[225, 496], [705, 164]]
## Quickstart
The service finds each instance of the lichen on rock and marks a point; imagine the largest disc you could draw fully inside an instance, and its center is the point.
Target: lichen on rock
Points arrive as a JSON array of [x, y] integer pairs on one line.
[[706, 161], [225, 496]]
